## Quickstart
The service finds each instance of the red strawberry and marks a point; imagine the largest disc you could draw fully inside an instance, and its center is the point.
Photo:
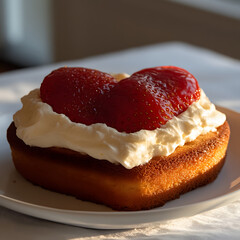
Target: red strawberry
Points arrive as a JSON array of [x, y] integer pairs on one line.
[[145, 100], [75, 91], [149, 98]]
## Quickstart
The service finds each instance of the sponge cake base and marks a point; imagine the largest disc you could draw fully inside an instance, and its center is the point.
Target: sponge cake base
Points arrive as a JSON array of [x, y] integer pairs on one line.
[[147, 186]]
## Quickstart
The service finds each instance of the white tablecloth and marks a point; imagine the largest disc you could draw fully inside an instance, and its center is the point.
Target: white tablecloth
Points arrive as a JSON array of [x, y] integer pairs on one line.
[[218, 75]]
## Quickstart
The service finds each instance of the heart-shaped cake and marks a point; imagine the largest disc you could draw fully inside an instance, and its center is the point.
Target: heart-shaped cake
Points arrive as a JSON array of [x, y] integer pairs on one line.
[[145, 100], [132, 144]]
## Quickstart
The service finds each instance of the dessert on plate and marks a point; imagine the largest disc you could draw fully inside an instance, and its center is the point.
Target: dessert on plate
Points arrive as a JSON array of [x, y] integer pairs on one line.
[[128, 142]]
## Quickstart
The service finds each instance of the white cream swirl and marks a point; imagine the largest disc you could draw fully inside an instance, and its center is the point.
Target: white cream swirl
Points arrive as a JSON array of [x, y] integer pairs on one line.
[[38, 125]]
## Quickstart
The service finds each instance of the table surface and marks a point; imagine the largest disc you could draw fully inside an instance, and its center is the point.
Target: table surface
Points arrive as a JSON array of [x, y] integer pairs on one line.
[[218, 75]]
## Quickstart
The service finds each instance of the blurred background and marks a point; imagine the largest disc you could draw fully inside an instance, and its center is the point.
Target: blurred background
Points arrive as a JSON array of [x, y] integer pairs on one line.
[[39, 32]]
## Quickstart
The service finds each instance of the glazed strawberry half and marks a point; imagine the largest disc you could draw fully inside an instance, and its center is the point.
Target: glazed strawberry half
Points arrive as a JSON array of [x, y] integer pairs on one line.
[[75, 92], [145, 100]]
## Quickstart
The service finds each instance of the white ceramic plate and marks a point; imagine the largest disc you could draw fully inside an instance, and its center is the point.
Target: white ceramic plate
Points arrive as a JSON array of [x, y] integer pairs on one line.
[[19, 195]]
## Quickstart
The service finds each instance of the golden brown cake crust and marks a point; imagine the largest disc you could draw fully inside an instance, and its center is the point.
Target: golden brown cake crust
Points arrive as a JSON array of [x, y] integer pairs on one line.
[[152, 184]]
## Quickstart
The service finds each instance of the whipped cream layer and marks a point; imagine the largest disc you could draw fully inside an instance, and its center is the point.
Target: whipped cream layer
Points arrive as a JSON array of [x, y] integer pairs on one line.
[[38, 125]]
